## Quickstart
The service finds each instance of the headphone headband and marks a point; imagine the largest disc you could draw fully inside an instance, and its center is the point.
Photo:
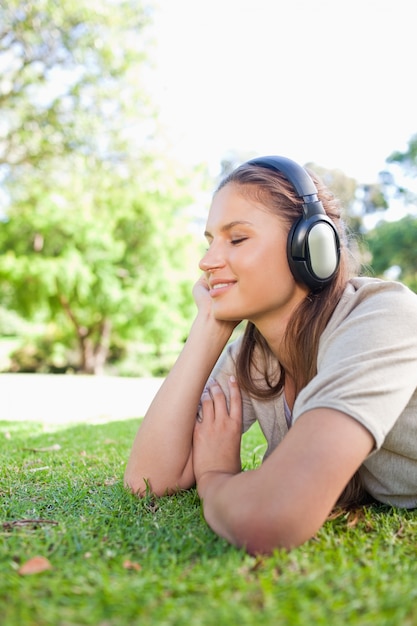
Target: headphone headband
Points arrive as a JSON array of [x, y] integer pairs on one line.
[[293, 172]]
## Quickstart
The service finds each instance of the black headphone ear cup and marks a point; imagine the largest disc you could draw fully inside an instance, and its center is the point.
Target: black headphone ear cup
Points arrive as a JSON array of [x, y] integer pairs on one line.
[[313, 251]]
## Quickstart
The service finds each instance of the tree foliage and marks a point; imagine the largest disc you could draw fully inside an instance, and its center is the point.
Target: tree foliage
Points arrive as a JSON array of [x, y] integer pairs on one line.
[[393, 246], [408, 158], [64, 71], [407, 162], [93, 238]]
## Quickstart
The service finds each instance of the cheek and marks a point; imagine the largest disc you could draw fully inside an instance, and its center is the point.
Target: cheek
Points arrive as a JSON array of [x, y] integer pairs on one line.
[[275, 265], [263, 262]]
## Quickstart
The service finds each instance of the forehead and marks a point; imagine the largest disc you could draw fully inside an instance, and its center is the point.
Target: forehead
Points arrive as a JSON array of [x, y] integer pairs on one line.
[[232, 198], [237, 202], [232, 211]]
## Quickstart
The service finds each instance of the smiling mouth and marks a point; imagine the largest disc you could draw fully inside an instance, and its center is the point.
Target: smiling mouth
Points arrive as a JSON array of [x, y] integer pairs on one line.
[[219, 288]]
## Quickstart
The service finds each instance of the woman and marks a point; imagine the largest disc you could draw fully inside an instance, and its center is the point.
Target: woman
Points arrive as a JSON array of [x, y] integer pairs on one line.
[[327, 365]]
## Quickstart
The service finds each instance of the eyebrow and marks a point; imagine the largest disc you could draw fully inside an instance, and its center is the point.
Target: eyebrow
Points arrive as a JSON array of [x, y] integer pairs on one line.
[[229, 226]]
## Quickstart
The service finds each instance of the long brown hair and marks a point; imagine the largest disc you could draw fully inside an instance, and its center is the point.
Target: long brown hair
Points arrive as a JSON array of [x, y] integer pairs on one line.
[[308, 321]]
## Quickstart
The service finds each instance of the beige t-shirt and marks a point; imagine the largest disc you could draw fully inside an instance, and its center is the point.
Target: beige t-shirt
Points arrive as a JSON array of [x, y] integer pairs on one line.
[[366, 368]]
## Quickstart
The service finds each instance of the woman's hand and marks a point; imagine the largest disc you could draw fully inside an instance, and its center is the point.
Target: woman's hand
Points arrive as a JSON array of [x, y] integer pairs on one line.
[[217, 437], [201, 293]]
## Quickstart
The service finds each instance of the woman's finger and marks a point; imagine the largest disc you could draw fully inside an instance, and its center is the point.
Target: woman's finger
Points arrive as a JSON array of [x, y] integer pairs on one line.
[[207, 408], [219, 400], [235, 408]]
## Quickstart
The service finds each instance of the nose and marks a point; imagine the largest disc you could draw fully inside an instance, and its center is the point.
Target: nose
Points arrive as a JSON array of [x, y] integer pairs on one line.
[[211, 260]]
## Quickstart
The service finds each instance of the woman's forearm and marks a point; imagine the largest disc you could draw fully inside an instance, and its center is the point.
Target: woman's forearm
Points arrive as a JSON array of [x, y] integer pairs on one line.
[[161, 453], [285, 501]]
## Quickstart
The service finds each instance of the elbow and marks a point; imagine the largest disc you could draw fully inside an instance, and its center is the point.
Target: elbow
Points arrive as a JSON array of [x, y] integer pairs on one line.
[[138, 487], [258, 542], [139, 482], [145, 478], [261, 543], [260, 534], [158, 486], [142, 487]]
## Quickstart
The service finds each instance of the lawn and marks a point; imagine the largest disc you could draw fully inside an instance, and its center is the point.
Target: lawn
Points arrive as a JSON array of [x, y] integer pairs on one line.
[[114, 560]]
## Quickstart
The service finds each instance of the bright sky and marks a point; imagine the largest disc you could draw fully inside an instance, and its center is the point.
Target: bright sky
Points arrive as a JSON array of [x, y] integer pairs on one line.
[[328, 81]]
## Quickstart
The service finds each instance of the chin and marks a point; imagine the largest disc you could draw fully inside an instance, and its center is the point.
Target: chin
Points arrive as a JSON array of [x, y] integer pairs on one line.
[[227, 317]]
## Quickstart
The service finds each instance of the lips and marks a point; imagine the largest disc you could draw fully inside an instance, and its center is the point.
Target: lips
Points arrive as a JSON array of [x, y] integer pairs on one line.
[[220, 286]]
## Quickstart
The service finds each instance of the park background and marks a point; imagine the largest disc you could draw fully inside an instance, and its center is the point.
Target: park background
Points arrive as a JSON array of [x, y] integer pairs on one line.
[[117, 119]]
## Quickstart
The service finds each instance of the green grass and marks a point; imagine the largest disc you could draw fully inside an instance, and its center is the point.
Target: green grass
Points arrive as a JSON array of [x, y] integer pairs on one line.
[[358, 570]]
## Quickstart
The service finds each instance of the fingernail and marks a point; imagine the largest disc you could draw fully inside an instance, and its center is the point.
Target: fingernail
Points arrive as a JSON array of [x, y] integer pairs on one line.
[[232, 379]]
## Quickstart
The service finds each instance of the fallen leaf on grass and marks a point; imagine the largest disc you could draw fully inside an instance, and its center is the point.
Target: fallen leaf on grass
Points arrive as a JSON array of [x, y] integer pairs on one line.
[[335, 514], [252, 564], [132, 565], [36, 565], [400, 532], [357, 516], [354, 517]]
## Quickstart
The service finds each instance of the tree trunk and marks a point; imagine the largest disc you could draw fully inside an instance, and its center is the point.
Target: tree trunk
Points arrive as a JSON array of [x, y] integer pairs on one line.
[[93, 352]]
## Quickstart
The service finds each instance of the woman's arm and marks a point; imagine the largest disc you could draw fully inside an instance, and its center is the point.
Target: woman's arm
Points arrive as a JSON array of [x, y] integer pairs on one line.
[[284, 502], [161, 456]]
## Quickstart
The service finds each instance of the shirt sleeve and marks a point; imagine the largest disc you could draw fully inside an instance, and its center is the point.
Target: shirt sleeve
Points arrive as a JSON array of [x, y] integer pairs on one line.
[[367, 358]]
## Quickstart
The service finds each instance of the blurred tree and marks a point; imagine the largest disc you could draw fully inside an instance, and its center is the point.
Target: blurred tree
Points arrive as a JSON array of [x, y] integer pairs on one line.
[[393, 244], [407, 162], [408, 158], [394, 251], [343, 186], [108, 257], [66, 69], [93, 235]]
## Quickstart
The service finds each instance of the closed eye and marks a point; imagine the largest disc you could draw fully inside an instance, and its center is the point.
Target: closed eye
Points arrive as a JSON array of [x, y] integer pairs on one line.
[[234, 242]]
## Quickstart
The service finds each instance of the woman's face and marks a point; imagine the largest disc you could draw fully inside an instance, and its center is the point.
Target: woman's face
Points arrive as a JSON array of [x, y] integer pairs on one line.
[[246, 263]]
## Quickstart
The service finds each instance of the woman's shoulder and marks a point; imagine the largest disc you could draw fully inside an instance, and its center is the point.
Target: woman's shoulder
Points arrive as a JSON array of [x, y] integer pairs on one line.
[[367, 285], [363, 294]]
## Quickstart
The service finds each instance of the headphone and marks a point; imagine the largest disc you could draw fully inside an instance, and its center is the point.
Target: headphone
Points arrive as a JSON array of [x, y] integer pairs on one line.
[[313, 245]]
